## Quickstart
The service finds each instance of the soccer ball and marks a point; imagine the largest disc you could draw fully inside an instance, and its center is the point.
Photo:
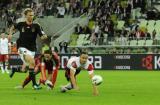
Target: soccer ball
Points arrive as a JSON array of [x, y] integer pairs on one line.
[[97, 80], [63, 89]]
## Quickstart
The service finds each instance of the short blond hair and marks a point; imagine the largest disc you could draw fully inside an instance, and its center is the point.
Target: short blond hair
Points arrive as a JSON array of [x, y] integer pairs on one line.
[[27, 10]]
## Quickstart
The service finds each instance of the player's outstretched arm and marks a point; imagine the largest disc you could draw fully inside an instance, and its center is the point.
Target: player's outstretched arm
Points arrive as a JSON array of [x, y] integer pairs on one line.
[[95, 89], [11, 31], [73, 80]]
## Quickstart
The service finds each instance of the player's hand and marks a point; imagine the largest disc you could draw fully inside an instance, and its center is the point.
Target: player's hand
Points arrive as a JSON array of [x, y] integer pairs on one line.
[[76, 88], [96, 93]]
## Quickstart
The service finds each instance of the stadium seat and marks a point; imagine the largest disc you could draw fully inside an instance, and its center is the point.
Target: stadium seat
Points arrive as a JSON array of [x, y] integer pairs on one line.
[[73, 40], [151, 23], [133, 43], [150, 29], [157, 28], [149, 42], [80, 40], [143, 23], [157, 22], [81, 36], [86, 37], [91, 24], [120, 24], [86, 42], [141, 42]]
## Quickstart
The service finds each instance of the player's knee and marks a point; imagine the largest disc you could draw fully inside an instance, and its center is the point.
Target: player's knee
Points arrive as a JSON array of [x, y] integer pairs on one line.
[[29, 60], [31, 64]]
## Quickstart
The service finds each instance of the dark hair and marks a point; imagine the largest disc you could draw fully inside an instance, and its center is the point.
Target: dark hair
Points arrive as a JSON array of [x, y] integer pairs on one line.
[[83, 52], [27, 10]]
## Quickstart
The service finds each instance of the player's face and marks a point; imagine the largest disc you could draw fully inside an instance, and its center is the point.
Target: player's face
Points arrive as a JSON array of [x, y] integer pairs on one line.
[[47, 57], [83, 58], [3, 35], [30, 16]]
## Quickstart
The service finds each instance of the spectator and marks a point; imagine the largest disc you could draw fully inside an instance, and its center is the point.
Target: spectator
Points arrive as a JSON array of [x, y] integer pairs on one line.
[[63, 47], [78, 29], [61, 11], [86, 30]]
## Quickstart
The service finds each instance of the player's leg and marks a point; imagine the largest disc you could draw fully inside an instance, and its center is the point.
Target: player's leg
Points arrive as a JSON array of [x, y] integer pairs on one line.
[[22, 69], [30, 60], [69, 86], [25, 82], [5, 61], [28, 78], [54, 76]]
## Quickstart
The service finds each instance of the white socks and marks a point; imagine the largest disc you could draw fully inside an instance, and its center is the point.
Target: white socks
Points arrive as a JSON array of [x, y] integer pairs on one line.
[[3, 71]]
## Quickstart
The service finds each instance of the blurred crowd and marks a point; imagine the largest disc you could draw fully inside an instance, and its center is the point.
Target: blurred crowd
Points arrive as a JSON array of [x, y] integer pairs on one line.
[[11, 10], [104, 15]]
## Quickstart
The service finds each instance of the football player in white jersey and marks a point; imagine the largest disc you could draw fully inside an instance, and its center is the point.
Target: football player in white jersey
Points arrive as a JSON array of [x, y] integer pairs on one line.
[[4, 52], [73, 68]]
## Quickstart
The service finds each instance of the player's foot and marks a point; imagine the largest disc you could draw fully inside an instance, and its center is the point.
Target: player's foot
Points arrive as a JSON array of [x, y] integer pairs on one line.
[[63, 89], [37, 87], [18, 87], [69, 86], [3, 72], [49, 84], [12, 73], [49, 88], [7, 71]]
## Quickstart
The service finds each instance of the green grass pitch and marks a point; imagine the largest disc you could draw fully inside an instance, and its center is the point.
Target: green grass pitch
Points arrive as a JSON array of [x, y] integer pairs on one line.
[[118, 88]]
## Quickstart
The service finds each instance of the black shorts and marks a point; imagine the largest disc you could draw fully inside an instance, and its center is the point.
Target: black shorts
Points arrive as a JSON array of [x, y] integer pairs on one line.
[[49, 69], [67, 73]]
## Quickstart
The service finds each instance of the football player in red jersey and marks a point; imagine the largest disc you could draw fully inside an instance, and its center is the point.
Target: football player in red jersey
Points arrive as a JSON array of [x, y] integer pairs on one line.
[[49, 61]]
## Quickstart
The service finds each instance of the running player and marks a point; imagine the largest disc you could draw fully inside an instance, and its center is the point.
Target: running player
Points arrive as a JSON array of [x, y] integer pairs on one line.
[[26, 42]]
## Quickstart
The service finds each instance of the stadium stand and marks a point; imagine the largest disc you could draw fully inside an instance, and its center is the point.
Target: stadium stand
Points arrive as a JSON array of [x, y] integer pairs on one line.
[[112, 23]]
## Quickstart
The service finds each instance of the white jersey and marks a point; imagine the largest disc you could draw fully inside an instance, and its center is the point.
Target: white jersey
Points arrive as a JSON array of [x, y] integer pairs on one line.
[[74, 63], [3, 46]]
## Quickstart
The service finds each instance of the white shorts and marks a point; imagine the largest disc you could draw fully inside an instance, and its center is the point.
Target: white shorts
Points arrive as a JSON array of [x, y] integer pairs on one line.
[[23, 51]]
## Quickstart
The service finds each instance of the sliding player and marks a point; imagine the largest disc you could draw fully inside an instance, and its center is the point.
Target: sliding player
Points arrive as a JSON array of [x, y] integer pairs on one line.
[[73, 68]]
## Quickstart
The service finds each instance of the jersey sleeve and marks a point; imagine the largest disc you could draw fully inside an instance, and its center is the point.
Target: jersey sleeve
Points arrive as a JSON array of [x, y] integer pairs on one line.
[[38, 61], [72, 65], [40, 30], [18, 26], [56, 59], [90, 68]]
